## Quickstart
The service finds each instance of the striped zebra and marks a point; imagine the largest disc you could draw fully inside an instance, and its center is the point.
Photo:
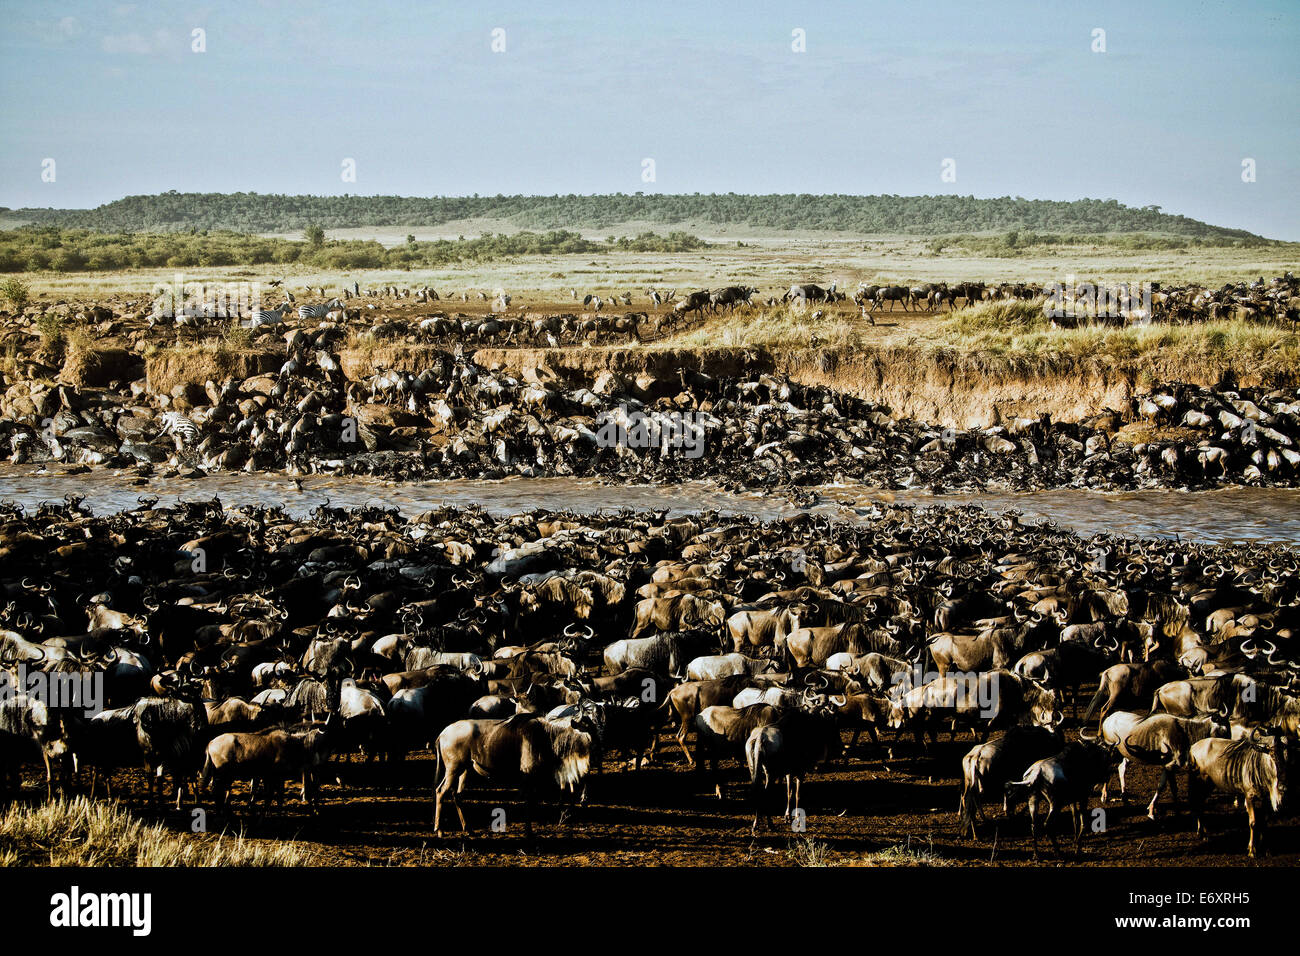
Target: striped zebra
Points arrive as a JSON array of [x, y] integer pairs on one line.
[[318, 311], [180, 427], [260, 317]]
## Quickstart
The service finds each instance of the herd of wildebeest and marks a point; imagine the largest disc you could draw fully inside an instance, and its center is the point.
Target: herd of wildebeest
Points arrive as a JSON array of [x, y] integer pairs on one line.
[[512, 322], [539, 649], [310, 405]]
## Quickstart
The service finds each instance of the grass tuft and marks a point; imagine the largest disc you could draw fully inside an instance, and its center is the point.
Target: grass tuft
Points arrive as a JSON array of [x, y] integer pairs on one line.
[[79, 832]]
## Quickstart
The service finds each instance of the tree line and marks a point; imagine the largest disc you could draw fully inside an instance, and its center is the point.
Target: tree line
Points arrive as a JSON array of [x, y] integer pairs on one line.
[[887, 214], [41, 248]]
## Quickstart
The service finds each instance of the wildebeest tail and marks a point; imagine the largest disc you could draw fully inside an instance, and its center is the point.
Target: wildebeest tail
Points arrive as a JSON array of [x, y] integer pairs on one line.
[[205, 779], [1096, 699]]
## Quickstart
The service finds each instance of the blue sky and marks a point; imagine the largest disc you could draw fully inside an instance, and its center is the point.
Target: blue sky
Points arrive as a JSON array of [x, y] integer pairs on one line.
[[712, 92]]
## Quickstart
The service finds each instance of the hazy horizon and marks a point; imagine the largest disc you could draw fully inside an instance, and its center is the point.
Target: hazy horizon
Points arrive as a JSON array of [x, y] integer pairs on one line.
[[719, 99]]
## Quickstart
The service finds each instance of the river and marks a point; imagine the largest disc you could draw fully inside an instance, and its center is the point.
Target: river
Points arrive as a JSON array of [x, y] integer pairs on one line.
[[1231, 514]]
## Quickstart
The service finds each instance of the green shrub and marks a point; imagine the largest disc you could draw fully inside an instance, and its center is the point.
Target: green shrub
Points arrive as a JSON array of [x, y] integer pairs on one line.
[[15, 291]]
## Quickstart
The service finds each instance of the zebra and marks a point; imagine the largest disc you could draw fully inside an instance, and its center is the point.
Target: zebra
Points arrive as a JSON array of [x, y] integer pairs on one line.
[[262, 317], [179, 427], [318, 311]]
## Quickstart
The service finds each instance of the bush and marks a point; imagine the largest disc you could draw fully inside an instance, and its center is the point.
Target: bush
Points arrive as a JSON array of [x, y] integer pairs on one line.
[[15, 292]]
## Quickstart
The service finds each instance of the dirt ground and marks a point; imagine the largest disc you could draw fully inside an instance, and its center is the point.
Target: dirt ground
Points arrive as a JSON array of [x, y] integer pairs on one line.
[[866, 812]]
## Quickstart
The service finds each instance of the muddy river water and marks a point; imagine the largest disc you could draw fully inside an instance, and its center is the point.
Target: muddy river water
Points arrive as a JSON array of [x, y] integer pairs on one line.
[[1225, 515]]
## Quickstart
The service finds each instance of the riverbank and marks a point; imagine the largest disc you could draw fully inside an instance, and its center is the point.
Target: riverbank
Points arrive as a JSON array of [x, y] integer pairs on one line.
[[398, 384]]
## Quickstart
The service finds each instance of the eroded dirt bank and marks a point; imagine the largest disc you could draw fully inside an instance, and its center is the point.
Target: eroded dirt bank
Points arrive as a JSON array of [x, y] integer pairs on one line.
[[942, 388], [939, 387]]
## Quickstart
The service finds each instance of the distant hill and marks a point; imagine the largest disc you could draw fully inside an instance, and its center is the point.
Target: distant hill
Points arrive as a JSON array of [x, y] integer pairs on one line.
[[871, 215]]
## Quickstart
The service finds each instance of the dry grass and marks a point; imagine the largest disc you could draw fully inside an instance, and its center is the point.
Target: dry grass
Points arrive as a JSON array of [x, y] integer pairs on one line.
[[79, 832], [1019, 333], [1005, 338], [806, 851], [901, 854], [770, 261], [776, 327]]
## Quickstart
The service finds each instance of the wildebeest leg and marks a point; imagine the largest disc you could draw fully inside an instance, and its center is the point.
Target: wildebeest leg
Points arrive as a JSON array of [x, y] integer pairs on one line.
[[1165, 775], [1196, 796], [681, 742], [1033, 822], [448, 785], [1251, 817], [1077, 815], [1047, 825], [965, 812]]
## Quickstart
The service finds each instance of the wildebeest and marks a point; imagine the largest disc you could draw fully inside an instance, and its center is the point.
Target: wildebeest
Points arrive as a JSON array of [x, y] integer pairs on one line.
[[764, 629], [692, 302], [717, 666], [1251, 767], [1131, 685], [664, 654], [271, 757], [721, 731], [990, 765], [1160, 739], [1064, 780], [994, 647], [172, 733], [789, 748], [892, 294], [28, 728], [679, 612], [689, 699], [526, 751], [803, 294], [1202, 695]]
